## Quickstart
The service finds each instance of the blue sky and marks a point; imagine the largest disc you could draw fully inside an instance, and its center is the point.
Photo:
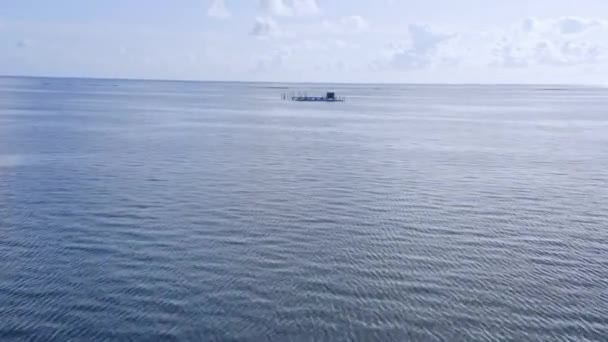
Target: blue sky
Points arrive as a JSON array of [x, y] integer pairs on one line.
[[452, 41]]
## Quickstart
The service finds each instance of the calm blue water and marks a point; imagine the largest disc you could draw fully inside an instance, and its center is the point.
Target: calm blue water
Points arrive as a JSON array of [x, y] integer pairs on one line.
[[136, 210]]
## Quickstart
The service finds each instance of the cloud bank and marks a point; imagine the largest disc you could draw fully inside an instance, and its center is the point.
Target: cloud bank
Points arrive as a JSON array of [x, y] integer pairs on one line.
[[559, 42], [299, 40], [552, 42]]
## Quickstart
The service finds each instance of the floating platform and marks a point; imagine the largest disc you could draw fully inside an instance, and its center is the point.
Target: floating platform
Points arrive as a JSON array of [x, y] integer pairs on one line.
[[329, 97]]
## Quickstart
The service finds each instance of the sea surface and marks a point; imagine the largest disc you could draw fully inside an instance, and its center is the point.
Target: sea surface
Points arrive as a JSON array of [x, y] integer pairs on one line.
[[185, 211]]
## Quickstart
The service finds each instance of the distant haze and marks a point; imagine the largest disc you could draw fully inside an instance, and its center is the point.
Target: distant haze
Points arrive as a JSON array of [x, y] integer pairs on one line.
[[430, 41]]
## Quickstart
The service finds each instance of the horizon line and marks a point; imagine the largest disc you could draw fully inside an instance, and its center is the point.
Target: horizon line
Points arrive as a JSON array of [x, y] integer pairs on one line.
[[102, 78]]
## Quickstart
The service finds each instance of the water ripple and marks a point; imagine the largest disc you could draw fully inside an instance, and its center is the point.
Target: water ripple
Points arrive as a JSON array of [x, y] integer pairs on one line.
[[162, 211]]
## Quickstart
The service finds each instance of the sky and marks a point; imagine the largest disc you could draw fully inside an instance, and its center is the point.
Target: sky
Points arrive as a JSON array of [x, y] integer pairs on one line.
[[368, 41]]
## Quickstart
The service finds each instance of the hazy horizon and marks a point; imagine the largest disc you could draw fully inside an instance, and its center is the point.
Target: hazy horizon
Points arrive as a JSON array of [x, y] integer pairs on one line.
[[531, 84]]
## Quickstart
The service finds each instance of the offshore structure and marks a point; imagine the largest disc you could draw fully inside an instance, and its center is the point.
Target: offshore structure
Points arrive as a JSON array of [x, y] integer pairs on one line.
[[329, 97]]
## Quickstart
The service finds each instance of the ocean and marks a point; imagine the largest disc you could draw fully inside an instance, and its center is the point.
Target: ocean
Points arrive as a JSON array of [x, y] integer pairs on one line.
[[202, 211]]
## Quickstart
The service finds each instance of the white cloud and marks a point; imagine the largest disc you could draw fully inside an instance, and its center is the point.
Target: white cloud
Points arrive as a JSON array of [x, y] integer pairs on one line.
[[264, 27], [508, 55], [351, 24], [218, 9], [566, 41], [552, 42], [422, 50], [289, 7], [573, 25], [560, 26], [355, 23], [529, 24]]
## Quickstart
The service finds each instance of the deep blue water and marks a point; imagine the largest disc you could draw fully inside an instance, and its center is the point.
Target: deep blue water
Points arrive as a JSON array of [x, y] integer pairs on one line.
[[140, 210]]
